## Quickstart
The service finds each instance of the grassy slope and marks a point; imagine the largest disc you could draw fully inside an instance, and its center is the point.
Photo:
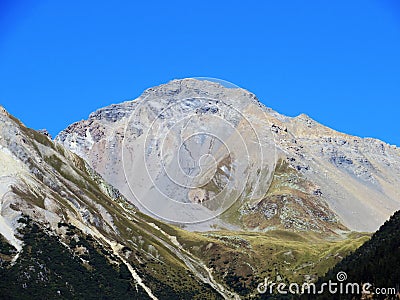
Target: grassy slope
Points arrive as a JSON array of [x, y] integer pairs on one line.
[[243, 259]]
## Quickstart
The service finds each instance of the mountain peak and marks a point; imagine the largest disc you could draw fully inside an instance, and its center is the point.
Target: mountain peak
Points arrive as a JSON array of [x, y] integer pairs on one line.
[[346, 173]]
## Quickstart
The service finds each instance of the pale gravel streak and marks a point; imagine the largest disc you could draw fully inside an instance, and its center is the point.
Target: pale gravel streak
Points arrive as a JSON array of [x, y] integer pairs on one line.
[[6, 229], [135, 275], [190, 261], [116, 247]]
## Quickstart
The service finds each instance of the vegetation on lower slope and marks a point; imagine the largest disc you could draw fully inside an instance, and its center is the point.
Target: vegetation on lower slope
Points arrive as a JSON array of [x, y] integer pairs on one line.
[[47, 269], [377, 261], [6, 251], [241, 260], [75, 266]]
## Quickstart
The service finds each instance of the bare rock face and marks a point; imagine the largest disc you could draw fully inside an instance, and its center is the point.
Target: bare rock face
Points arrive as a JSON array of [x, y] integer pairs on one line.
[[192, 150], [45, 132], [359, 178]]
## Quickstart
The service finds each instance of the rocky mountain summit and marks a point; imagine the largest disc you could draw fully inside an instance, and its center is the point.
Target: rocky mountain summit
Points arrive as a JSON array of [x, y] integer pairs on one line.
[[297, 174]]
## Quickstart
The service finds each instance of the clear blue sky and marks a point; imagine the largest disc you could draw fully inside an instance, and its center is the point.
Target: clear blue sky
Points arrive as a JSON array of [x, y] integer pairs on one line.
[[337, 61]]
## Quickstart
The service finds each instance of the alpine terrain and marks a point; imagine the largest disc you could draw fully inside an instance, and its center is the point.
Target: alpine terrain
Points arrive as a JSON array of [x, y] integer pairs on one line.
[[192, 191]]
